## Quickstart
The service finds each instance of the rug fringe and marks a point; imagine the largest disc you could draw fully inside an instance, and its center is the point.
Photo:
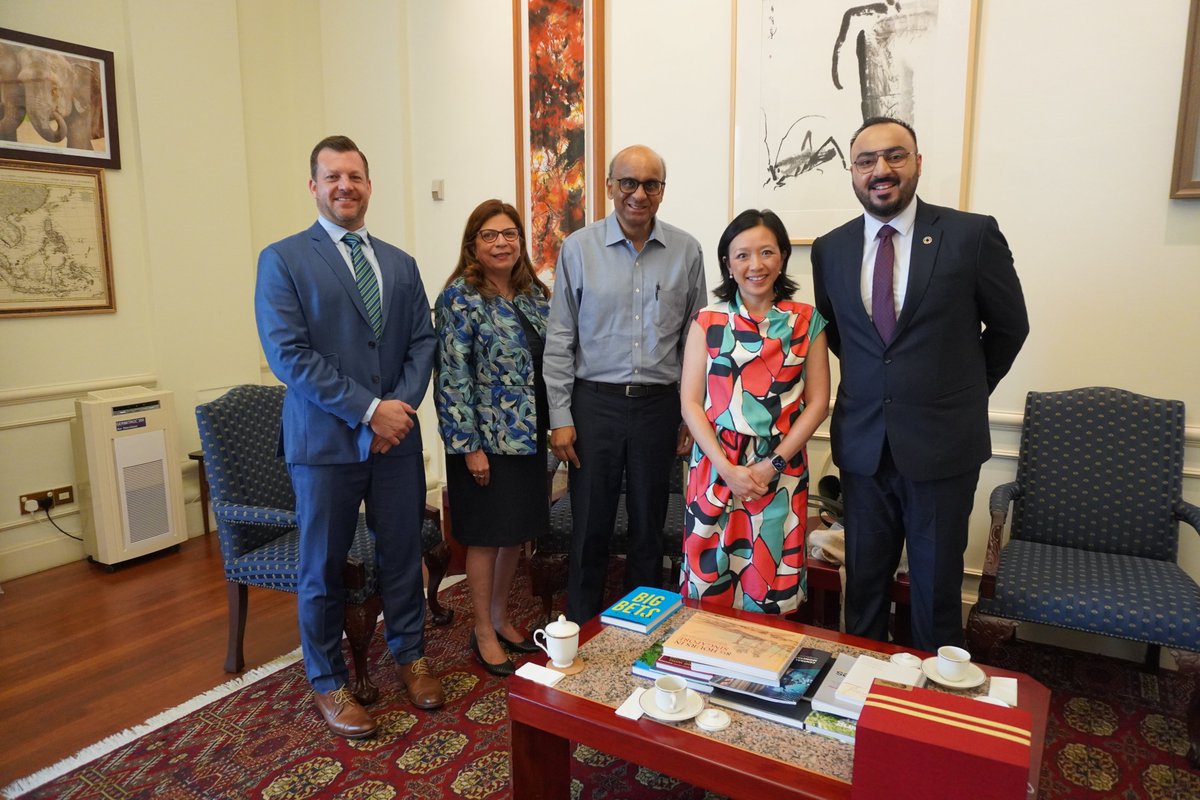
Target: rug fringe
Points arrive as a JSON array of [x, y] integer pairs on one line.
[[110, 743]]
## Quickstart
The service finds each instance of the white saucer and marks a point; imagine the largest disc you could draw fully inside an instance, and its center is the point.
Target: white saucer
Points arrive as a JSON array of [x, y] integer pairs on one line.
[[693, 704], [973, 678]]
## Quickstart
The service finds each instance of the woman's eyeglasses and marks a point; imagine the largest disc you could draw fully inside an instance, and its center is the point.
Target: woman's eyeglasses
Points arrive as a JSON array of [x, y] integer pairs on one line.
[[509, 234]]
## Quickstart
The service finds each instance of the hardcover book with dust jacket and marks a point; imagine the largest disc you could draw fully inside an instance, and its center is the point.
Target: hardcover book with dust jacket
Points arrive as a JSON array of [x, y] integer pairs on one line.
[[756, 652]]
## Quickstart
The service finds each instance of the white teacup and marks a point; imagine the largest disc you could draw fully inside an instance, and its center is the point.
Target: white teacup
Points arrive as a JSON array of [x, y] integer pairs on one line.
[[952, 662], [670, 693], [560, 641]]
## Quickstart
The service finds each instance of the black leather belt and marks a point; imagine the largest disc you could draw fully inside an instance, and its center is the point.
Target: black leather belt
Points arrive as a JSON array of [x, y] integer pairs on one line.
[[632, 389]]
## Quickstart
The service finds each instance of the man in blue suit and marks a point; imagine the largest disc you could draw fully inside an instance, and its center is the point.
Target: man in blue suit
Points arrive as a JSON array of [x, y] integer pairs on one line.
[[926, 315], [344, 321]]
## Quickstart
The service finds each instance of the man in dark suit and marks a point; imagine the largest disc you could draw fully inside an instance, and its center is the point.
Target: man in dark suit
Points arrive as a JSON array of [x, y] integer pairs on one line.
[[344, 321], [926, 315]]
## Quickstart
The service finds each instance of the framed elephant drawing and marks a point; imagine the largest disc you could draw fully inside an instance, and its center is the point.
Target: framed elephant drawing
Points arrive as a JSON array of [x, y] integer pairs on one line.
[[57, 102]]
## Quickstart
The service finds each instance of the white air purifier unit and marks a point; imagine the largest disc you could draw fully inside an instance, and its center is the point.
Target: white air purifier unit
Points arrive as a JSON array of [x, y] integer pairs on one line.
[[128, 471]]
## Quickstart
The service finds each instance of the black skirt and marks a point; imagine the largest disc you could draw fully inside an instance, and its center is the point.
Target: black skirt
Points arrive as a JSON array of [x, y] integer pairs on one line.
[[513, 508]]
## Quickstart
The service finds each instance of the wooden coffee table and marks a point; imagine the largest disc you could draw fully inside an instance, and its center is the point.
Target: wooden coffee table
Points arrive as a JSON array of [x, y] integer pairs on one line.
[[546, 721]]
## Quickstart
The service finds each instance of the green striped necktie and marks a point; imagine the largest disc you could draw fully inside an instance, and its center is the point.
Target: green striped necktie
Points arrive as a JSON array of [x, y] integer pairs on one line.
[[364, 277]]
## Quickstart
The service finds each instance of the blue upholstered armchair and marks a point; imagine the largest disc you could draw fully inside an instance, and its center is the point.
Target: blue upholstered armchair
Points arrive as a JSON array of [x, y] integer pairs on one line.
[[254, 507], [1096, 508]]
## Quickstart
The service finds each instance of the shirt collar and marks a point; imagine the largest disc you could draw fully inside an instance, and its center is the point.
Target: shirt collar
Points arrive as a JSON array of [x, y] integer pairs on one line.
[[902, 223], [614, 235], [336, 232]]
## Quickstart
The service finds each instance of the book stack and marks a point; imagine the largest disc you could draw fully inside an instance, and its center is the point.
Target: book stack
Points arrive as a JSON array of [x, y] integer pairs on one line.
[[734, 648], [642, 610], [829, 716], [787, 703], [838, 701], [650, 664]]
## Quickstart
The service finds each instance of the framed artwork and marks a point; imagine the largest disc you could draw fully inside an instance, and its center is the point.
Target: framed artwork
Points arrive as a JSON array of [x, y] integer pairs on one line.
[[57, 102], [558, 76], [1185, 178], [54, 249], [806, 75]]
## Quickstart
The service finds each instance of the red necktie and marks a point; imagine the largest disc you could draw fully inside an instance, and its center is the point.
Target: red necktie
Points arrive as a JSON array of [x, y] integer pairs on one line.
[[883, 296]]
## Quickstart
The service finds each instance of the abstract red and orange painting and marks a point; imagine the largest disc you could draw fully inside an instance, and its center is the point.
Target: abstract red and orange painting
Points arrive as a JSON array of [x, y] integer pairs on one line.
[[557, 126]]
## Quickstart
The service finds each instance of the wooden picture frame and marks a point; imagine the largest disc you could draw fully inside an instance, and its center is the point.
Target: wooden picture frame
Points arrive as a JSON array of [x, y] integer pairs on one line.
[[559, 121], [1185, 176], [805, 76], [57, 258], [58, 102]]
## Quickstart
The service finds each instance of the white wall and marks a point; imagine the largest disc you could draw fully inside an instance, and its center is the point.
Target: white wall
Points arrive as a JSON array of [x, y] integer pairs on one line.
[[180, 236], [1073, 138]]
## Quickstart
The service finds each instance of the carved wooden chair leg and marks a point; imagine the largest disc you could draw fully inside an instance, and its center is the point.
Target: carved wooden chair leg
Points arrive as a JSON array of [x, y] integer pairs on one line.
[[360, 626], [1189, 664], [985, 632], [234, 657], [437, 559]]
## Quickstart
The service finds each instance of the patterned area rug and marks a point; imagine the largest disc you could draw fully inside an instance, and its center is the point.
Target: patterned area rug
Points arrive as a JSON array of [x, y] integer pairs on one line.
[[266, 740], [1114, 732]]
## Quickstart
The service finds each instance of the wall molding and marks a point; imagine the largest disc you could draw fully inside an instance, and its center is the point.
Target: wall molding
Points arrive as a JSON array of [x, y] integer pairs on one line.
[[64, 391]]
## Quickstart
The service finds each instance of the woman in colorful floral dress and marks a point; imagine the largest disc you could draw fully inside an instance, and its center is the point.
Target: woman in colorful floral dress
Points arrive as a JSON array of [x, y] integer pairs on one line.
[[755, 386], [493, 417]]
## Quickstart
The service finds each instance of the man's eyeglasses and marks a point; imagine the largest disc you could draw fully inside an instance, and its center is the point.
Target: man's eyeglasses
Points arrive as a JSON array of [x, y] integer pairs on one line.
[[509, 234], [630, 185], [894, 158]]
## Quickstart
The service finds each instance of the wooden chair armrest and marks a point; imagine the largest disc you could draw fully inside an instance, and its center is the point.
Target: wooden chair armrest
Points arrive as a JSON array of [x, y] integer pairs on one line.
[[1001, 497], [991, 560]]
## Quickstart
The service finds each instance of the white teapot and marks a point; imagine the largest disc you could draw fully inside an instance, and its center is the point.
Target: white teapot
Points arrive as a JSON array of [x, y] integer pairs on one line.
[[560, 641]]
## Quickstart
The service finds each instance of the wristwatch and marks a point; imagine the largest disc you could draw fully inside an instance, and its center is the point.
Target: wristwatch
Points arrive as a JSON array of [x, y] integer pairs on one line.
[[778, 462]]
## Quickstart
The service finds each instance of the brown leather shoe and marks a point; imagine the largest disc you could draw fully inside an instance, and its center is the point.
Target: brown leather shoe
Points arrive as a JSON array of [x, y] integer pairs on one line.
[[344, 715], [424, 689]]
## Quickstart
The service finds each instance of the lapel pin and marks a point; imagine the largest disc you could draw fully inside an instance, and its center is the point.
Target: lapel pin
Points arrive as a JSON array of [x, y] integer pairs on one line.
[[927, 240]]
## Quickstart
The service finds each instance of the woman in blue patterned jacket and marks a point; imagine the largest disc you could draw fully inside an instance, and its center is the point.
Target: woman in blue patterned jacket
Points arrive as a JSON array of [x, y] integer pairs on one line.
[[492, 412]]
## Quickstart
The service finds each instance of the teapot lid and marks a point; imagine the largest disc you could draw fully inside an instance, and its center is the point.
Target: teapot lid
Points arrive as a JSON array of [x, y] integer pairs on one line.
[[563, 627]]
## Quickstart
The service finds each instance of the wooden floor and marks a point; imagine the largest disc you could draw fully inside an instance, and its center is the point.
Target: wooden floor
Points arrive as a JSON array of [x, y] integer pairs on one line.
[[85, 653]]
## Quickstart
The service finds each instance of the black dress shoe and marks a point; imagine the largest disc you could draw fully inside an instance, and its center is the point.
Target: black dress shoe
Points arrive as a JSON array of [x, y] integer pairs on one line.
[[523, 646], [501, 670]]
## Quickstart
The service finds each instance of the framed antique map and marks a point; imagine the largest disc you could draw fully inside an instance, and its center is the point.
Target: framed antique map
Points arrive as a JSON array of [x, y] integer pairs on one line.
[[54, 250]]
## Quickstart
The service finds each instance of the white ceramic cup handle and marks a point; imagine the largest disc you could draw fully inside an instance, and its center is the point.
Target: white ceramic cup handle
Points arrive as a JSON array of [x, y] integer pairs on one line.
[[542, 644]]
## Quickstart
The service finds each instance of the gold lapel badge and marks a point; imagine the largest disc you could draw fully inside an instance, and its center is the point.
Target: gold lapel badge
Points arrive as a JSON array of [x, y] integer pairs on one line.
[[927, 240]]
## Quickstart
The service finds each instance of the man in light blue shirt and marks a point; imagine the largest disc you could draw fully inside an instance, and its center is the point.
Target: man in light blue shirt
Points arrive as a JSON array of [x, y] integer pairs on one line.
[[624, 291]]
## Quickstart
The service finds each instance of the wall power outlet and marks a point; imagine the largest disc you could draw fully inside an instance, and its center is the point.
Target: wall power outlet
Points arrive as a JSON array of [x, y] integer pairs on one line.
[[33, 502]]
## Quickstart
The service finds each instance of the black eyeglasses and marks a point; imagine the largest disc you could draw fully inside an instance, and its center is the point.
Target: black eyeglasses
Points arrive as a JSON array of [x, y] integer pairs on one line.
[[630, 185], [894, 158], [509, 234]]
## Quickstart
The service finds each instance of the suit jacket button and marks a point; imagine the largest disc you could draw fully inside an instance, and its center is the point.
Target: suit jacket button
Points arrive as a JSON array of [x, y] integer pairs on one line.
[[371, 345], [887, 361], [374, 379], [887, 400]]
